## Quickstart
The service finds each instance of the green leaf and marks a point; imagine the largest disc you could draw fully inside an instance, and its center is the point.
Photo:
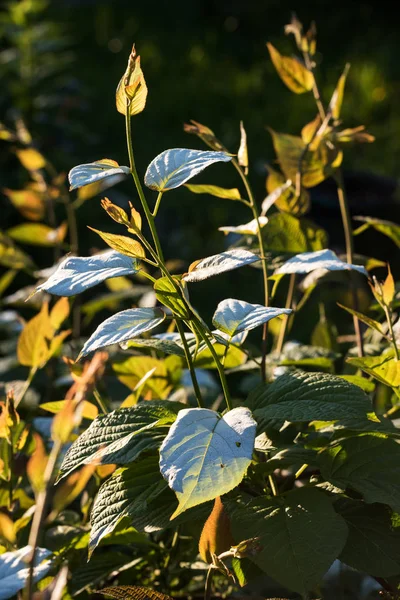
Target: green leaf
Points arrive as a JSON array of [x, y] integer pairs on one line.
[[299, 532], [368, 464], [11, 256], [133, 592], [285, 233], [168, 295], [391, 230], [172, 168], [122, 243], [373, 545], [292, 72], [233, 357], [315, 165], [137, 492], [362, 382], [214, 190], [335, 104], [122, 435], [364, 319], [219, 263], [205, 455], [298, 396], [234, 316], [38, 234], [92, 172], [160, 345], [385, 368]]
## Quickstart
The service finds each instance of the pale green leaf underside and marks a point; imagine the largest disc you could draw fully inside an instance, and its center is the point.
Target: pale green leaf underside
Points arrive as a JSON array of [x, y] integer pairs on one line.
[[205, 456], [219, 263], [322, 259], [234, 316], [92, 172]]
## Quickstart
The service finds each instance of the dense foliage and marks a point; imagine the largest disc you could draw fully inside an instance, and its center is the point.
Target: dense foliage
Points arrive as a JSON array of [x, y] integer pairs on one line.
[[189, 455]]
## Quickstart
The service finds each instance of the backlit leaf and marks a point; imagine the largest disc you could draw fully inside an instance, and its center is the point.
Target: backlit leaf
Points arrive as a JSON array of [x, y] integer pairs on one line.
[[368, 464], [33, 347], [131, 92], [292, 72], [122, 244], [29, 203], [299, 532], [37, 464], [250, 228], [243, 157], [38, 234], [205, 455], [385, 368], [214, 190], [89, 410], [233, 316], [11, 256], [31, 159], [122, 435], [335, 104], [173, 168], [322, 259], [169, 296], [285, 233], [76, 274], [219, 263], [282, 194], [367, 320], [391, 230], [315, 165], [132, 370], [72, 487], [123, 326], [93, 172]]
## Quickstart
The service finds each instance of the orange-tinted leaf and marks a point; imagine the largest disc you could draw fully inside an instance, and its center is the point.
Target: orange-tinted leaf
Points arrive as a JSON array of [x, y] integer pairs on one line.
[[115, 212], [37, 464], [31, 159], [243, 157], [216, 536], [388, 288], [7, 528], [28, 202], [64, 422], [204, 133], [71, 487]]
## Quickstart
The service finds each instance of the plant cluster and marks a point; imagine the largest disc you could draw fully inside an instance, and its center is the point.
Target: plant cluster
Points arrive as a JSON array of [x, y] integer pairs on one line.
[[261, 455]]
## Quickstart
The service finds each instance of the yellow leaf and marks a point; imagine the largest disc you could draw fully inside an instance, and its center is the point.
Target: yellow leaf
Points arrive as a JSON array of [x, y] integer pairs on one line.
[[388, 288], [115, 212], [64, 422], [214, 190], [33, 347], [309, 131], [89, 410], [70, 489], [292, 72], [131, 370], [216, 536], [7, 530], [119, 284], [59, 313], [287, 200], [29, 203], [136, 219], [243, 157], [37, 464], [122, 244], [31, 159], [104, 471], [131, 92], [38, 234], [8, 416], [335, 104], [57, 341]]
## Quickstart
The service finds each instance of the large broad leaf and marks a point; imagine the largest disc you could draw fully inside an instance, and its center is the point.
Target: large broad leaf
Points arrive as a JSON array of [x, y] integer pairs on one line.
[[391, 230], [250, 228], [385, 368], [14, 570], [120, 436], [322, 259], [172, 168], [139, 493], [123, 326], [373, 545], [76, 274], [285, 233], [206, 455], [315, 165], [293, 73], [219, 263], [369, 464], [133, 592], [299, 396], [233, 316], [300, 535], [92, 172]]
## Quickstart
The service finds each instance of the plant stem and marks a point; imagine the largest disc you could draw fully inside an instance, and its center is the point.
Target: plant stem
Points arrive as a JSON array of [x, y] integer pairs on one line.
[[27, 383], [198, 326], [149, 216], [256, 217], [348, 234], [389, 320], [41, 504], [289, 300], [100, 401], [157, 206], [272, 484], [207, 589], [190, 364], [315, 90]]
